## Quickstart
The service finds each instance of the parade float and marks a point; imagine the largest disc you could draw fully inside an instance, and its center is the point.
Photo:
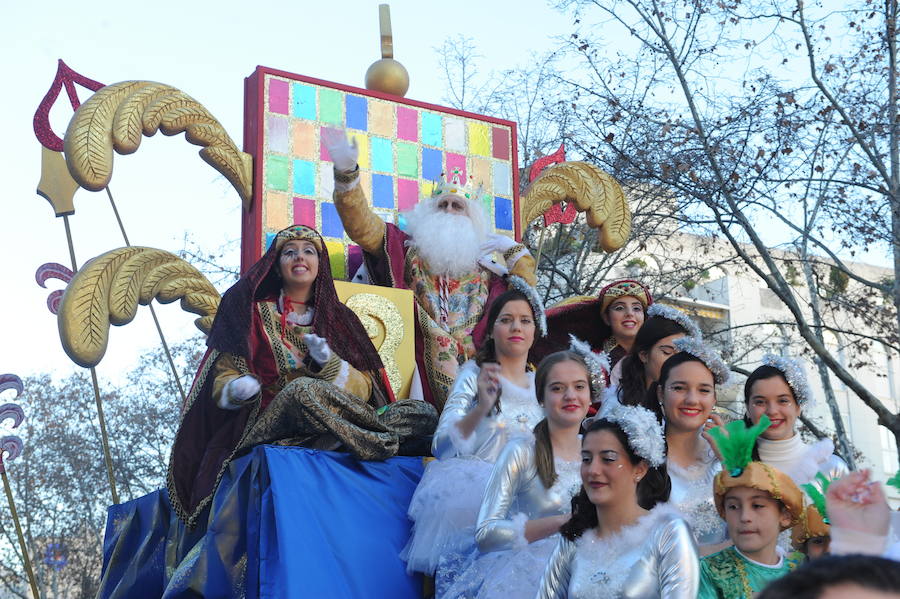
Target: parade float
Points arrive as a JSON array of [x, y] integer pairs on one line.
[[284, 521]]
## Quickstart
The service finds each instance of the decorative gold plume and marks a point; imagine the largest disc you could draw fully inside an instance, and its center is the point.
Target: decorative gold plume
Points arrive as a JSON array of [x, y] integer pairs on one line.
[[107, 291], [116, 117], [591, 190]]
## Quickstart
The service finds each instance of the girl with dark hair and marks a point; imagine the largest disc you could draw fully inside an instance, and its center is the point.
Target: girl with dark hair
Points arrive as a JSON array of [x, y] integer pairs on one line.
[[686, 396], [287, 363], [652, 346], [528, 495], [608, 322], [491, 401], [779, 390], [624, 540]]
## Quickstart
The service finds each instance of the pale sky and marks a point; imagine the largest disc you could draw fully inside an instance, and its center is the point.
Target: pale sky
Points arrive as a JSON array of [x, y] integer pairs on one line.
[[164, 189]]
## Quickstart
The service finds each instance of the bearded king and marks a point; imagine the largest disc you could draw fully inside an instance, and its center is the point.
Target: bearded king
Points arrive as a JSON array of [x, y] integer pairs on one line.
[[444, 257]]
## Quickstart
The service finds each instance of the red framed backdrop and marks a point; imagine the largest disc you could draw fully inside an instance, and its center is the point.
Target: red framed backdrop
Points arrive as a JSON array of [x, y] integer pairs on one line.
[[404, 146]]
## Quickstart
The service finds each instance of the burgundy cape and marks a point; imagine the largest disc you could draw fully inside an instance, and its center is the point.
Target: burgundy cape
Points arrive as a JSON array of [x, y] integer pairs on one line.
[[208, 436]]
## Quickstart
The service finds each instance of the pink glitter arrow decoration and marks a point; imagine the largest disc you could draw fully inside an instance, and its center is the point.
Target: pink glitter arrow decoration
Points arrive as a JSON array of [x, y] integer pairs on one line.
[[555, 213], [53, 270], [14, 411], [545, 161], [64, 77], [11, 381]]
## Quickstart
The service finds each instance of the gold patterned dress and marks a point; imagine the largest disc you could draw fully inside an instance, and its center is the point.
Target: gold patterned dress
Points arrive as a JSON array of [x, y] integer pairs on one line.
[[345, 404]]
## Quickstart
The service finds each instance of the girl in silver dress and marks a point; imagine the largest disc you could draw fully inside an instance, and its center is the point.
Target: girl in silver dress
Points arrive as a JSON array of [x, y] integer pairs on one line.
[[623, 541], [686, 392], [530, 490], [491, 402]]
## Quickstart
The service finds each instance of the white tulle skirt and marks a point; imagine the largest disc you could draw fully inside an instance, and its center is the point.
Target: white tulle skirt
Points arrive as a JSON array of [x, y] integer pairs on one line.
[[444, 511], [506, 574]]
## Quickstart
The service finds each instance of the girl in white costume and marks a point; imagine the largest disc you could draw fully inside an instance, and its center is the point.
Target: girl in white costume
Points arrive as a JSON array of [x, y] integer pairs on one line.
[[779, 390], [686, 392], [623, 541], [530, 490], [491, 402]]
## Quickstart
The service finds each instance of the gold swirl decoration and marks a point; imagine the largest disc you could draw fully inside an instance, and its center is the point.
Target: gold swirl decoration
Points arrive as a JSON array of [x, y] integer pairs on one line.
[[593, 192], [108, 289], [375, 309], [117, 116]]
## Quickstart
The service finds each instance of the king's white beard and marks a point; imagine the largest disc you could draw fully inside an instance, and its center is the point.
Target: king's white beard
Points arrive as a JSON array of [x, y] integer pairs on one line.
[[449, 243]]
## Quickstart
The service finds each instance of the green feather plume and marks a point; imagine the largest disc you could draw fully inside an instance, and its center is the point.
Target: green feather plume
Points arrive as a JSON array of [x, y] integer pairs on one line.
[[736, 447], [895, 481], [817, 494]]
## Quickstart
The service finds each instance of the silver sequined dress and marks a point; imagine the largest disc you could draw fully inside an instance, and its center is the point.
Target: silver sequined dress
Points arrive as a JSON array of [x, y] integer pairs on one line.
[[692, 494], [655, 558], [445, 506], [506, 564]]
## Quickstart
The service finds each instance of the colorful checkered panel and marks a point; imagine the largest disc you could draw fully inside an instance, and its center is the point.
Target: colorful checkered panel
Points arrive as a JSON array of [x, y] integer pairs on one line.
[[403, 149]]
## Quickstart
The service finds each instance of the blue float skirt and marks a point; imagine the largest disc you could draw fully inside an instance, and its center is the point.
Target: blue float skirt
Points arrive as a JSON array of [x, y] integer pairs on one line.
[[285, 522]]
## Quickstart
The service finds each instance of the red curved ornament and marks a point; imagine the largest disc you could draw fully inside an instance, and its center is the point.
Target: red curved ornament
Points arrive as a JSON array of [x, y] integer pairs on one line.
[[11, 447], [555, 214], [54, 299], [11, 381], [52, 270], [14, 411], [64, 77]]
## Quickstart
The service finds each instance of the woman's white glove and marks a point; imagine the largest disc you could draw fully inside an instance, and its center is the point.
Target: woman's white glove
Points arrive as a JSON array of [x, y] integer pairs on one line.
[[343, 154], [318, 348], [238, 392]]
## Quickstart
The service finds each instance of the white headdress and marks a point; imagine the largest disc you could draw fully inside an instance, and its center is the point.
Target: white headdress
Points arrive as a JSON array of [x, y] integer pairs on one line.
[[676, 316], [644, 431], [707, 355], [794, 374], [597, 364], [537, 306]]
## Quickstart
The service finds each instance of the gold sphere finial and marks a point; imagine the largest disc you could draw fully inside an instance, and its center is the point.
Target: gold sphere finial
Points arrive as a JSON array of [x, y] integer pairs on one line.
[[387, 75]]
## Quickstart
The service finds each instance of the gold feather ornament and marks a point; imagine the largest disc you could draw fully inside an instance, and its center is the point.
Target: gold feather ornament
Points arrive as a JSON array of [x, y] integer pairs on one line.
[[116, 118], [108, 289], [591, 190]]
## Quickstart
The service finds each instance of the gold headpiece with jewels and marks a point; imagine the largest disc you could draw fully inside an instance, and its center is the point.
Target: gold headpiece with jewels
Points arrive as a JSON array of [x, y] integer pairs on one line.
[[622, 288], [455, 186], [298, 232]]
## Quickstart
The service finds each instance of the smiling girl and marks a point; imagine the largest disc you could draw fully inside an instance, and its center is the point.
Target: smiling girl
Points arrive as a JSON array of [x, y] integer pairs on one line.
[[608, 322], [779, 390], [491, 402], [624, 540], [529, 494], [686, 392]]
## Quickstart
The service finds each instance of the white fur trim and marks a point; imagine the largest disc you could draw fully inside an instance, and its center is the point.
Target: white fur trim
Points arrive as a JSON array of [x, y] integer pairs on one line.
[[463, 445], [343, 374], [519, 521]]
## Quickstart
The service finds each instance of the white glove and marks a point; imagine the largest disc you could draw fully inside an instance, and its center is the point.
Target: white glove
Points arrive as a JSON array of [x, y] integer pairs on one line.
[[238, 391], [343, 154], [318, 348], [497, 243]]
